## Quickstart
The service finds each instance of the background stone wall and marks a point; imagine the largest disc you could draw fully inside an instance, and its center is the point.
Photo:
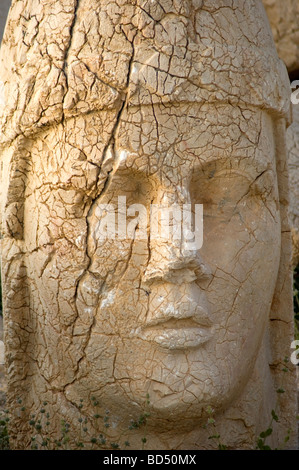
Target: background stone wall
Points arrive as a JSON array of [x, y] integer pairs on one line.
[[284, 20]]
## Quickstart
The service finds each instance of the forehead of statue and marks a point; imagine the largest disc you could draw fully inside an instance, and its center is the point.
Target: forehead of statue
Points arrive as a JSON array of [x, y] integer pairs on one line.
[[140, 53], [160, 139]]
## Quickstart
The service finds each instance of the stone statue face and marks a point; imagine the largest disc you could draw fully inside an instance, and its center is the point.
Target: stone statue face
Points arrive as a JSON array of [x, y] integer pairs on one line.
[[165, 103], [148, 316]]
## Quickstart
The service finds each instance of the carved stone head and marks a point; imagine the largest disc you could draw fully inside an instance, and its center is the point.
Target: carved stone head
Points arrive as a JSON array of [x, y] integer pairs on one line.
[[164, 104]]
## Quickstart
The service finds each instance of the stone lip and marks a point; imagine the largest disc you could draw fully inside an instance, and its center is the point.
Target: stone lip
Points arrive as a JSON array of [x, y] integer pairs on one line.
[[178, 338]]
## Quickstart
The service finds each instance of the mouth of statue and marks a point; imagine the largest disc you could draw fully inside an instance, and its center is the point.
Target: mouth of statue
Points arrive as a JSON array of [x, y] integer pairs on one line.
[[178, 331], [179, 338]]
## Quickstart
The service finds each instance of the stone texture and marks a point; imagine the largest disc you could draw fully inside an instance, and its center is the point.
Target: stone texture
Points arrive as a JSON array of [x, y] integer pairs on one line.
[[2, 371], [284, 20], [168, 103], [293, 149]]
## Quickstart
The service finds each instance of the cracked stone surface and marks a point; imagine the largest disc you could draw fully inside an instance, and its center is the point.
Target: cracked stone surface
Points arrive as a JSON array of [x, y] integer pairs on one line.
[[284, 20], [293, 150], [164, 102], [2, 375]]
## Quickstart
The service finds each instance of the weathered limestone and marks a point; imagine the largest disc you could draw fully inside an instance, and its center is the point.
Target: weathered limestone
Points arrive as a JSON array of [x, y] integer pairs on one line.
[[293, 150], [168, 102], [2, 378], [284, 21]]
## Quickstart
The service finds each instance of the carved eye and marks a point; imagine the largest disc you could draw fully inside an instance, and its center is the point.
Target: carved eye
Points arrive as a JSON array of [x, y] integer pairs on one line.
[[224, 192], [136, 187], [218, 190]]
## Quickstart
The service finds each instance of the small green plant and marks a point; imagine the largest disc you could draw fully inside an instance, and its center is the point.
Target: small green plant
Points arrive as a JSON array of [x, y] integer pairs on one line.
[[4, 436], [215, 436], [261, 441], [142, 421], [91, 433]]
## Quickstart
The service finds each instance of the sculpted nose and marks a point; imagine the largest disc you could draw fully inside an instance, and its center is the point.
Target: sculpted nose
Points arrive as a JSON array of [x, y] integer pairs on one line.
[[173, 258], [171, 262]]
